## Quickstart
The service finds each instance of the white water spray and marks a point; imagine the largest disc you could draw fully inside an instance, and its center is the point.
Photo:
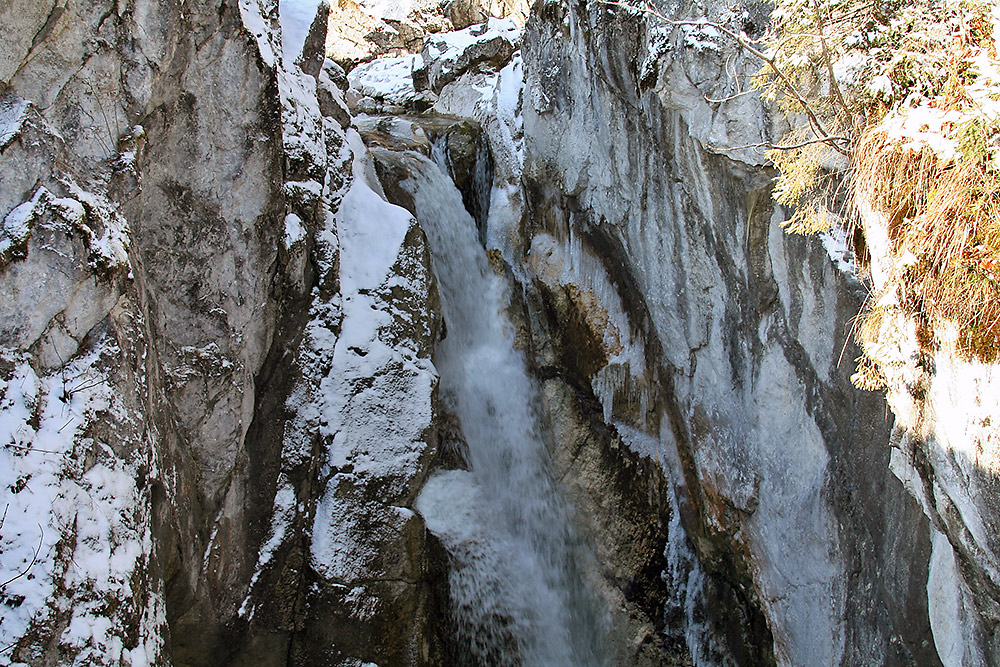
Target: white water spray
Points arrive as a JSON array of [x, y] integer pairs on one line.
[[517, 596]]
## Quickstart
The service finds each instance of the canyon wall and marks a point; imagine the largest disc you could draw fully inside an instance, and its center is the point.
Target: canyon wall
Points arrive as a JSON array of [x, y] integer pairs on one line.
[[183, 251], [219, 402], [716, 343]]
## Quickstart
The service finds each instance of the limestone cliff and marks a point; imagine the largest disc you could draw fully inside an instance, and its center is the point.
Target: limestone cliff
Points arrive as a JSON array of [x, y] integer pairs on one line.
[[219, 403], [731, 375], [186, 274], [944, 450], [689, 351]]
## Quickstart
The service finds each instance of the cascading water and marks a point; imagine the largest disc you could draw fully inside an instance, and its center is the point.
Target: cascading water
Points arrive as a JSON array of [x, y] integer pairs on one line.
[[517, 596]]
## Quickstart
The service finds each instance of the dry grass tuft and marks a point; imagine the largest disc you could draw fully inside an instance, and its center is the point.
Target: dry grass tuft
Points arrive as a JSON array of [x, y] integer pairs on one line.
[[944, 228], [869, 376]]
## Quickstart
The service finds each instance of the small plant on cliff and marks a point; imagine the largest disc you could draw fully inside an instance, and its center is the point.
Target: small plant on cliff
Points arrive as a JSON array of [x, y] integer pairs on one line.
[[914, 87], [931, 169]]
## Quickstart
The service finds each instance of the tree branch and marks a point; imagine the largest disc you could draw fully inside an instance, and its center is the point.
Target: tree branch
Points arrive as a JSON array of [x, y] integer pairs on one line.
[[818, 128]]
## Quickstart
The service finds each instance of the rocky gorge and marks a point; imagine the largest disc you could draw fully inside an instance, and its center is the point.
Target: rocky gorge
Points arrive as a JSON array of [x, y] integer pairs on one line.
[[452, 333]]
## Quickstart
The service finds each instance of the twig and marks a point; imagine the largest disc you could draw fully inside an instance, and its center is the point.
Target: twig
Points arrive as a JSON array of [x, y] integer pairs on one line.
[[778, 147], [818, 128], [86, 384], [818, 140], [726, 99], [829, 62], [34, 558], [31, 449]]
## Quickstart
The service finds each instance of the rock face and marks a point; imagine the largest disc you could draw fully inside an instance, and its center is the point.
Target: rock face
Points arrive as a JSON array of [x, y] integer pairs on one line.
[[218, 405], [713, 341], [366, 29], [204, 340], [944, 449], [688, 355]]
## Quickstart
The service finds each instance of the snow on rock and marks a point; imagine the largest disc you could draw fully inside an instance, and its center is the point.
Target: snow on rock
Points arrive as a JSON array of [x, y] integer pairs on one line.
[[371, 230], [836, 244], [296, 18], [294, 231], [302, 130], [494, 100], [395, 10], [386, 79], [449, 55], [363, 29], [13, 111], [75, 538], [282, 516], [61, 245], [17, 225], [353, 541], [257, 19], [106, 231], [374, 441], [702, 37]]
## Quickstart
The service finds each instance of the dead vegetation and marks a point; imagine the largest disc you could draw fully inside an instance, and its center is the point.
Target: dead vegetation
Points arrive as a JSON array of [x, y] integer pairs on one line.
[[943, 222]]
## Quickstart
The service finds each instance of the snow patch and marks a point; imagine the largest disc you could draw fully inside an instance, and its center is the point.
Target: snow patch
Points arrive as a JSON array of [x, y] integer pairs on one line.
[[17, 224], [449, 54], [922, 127], [296, 18], [447, 48], [294, 230], [253, 13], [388, 79], [835, 243], [371, 230], [702, 37], [13, 112], [75, 535]]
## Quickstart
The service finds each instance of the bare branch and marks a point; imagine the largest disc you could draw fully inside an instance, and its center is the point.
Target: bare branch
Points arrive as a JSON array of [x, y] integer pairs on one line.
[[767, 145], [829, 62], [817, 140], [817, 125], [31, 449], [728, 97], [34, 558]]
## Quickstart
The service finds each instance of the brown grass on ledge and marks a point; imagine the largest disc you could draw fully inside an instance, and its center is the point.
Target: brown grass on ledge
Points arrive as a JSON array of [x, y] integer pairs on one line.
[[944, 229]]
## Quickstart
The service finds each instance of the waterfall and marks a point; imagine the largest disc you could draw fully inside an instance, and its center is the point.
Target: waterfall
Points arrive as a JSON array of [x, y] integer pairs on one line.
[[517, 596]]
